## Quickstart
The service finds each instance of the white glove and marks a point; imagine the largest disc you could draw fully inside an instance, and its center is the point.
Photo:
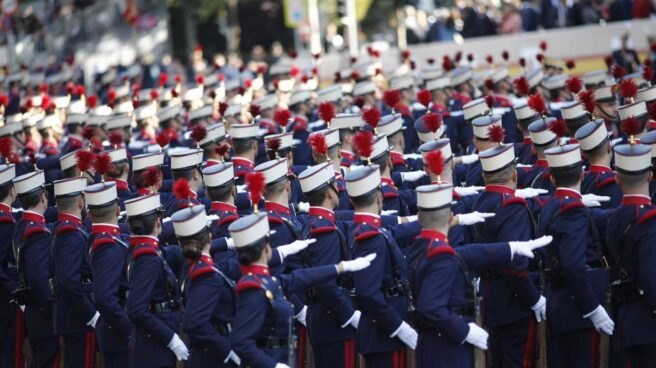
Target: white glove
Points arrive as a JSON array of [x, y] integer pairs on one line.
[[475, 217], [467, 191], [540, 309], [230, 243], [92, 322], [477, 336], [593, 200], [406, 219], [412, 175], [293, 248], [281, 365], [300, 317], [178, 348], [406, 334], [241, 189], [526, 248], [469, 159], [234, 357], [387, 212], [303, 207], [522, 165], [615, 141], [414, 156], [529, 192], [358, 264], [354, 321], [601, 320], [22, 308]]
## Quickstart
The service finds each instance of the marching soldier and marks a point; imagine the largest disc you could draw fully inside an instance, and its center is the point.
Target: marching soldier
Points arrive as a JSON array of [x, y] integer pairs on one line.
[[75, 315], [185, 166], [11, 317], [244, 143]]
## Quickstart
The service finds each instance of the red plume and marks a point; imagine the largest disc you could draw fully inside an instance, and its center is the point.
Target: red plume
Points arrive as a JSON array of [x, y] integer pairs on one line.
[[177, 79], [102, 162], [505, 55], [4, 100], [536, 103], [255, 182], [631, 126], [200, 79], [432, 121], [391, 98], [282, 117], [490, 101], [326, 111], [116, 138], [470, 57], [558, 127], [570, 64], [424, 97], [88, 132], [154, 94], [305, 78], [181, 189], [223, 106], [618, 72], [434, 162], [359, 102], [458, 56], [43, 88], [163, 139], [254, 110], [496, 133], [273, 144], [293, 54], [363, 142], [447, 64], [261, 69], [647, 73], [222, 149], [92, 101], [5, 147], [521, 86], [489, 59], [152, 176], [70, 88], [371, 117], [489, 84], [574, 84], [539, 58], [31, 158], [587, 97], [45, 101], [608, 60], [628, 88], [84, 159], [522, 62], [198, 133], [543, 46], [405, 54], [163, 78], [355, 75], [318, 143], [79, 90], [111, 96]]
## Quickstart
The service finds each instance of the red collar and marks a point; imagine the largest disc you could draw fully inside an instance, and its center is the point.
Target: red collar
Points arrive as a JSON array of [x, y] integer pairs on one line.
[[148, 240], [222, 206], [322, 212], [208, 260], [120, 184], [33, 217], [105, 228], [338, 175], [528, 140], [567, 193], [258, 270], [277, 207], [388, 181], [501, 189], [243, 162], [5, 208], [348, 155], [599, 169], [211, 162], [433, 234], [366, 218], [635, 200], [68, 217], [144, 191], [542, 163], [397, 158]]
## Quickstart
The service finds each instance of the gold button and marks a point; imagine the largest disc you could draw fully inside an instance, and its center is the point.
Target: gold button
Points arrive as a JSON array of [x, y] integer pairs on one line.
[[439, 334]]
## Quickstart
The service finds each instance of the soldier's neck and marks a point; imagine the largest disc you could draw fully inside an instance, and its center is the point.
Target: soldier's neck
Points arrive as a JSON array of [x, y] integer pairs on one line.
[[76, 213], [642, 189], [600, 161]]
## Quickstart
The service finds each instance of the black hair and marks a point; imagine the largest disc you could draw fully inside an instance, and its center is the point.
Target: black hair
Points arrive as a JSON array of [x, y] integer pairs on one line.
[[117, 170], [192, 246], [242, 146], [104, 213], [67, 203], [575, 124], [143, 224], [251, 253], [165, 124], [71, 128], [343, 133], [5, 189], [31, 199], [71, 172], [631, 180], [275, 188], [318, 196], [220, 194], [365, 200], [382, 161], [567, 176], [281, 153], [524, 123], [186, 173], [500, 176]]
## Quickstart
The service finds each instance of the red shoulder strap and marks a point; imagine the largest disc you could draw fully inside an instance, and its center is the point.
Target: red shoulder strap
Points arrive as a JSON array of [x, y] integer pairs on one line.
[[247, 284], [64, 228], [366, 235], [99, 242], [514, 200], [143, 251], [570, 206], [200, 272], [440, 249], [647, 216], [322, 229], [606, 182], [33, 230]]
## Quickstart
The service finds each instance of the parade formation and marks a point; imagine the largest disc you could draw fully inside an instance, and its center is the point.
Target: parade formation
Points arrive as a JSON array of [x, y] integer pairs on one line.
[[438, 215]]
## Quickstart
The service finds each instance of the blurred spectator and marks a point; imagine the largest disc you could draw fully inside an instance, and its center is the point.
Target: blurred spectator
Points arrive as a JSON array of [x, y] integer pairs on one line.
[[642, 9], [511, 20], [530, 15], [620, 10], [626, 56], [583, 12]]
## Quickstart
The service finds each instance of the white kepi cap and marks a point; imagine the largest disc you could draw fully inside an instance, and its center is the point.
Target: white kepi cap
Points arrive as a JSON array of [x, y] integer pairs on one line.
[[186, 158], [481, 125], [475, 108], [218, 175], [434, 196], [7, 173], [146, 160], [563, 156], [497, 158], [244, 131], [142, 205], [249, 229], [346, 121], [390, 124], [632, 158], [101, 194], [29, 182], [273, 170], [362, 181], [316, 177], [70, 187], [189, 221], [591, 135]]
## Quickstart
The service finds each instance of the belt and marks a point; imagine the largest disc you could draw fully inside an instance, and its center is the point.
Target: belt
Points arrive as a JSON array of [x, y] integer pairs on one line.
[[167, 306], [273, 343]]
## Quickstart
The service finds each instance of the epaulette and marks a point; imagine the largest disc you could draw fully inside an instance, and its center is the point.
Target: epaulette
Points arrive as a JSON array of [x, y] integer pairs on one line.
[[140, 251], [102, 240], [366, 235], [607, 181], [275, 219], [440, 249], [390, 195], [514, 200], [200, 271], [647, 216], [62, 228], [570, 206], [34, 228], [6, 217], [247, 283], [228, 219], [322, 229]]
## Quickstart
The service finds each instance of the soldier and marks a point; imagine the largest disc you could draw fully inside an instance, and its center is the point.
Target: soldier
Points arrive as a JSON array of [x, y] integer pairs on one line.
[[108, 258], [75, 315], [262, 331], [144, 167], [118, 171], [577, 274], [154, 304], [381, 293], [347, 124], [185, 166], [244, 142], [31, 240], [210, 299], [481, 126], [210, 144], [11, 317], [543, 138], [631, 251], [525, 116]]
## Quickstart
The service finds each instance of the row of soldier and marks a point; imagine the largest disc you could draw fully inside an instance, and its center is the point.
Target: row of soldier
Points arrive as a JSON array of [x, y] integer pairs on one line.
[[183, 232]]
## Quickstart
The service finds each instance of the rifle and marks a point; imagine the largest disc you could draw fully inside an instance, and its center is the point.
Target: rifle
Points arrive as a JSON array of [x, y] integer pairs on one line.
[[542, 326], [479, 355]]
